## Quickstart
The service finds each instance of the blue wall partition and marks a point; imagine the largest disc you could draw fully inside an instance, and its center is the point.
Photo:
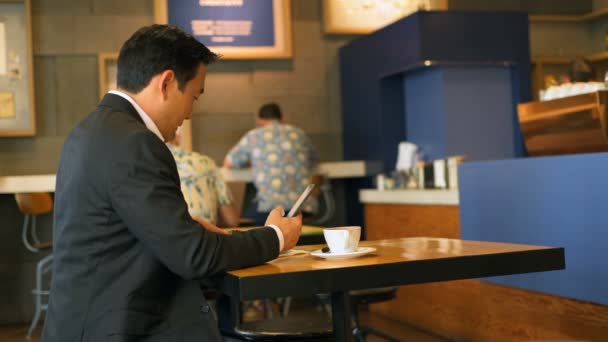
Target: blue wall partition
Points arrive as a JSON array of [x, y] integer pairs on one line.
[[461, 110], [553, 201], [376, 108]]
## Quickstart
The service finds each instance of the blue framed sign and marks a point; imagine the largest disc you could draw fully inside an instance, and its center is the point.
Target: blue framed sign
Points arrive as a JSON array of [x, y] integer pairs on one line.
[[236, 29]]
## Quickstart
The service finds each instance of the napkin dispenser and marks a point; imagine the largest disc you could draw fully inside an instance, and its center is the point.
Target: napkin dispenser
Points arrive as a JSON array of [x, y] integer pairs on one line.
[[439, 173]]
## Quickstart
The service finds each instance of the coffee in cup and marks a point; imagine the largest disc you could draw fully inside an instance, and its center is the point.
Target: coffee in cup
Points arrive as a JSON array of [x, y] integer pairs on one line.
[[342, 239]]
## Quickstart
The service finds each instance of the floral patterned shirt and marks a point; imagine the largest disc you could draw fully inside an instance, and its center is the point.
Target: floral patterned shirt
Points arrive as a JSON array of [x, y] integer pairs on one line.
[[202, 185], [282, 159]]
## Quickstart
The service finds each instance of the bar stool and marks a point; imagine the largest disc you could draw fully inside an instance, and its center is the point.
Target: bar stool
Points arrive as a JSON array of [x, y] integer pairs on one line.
[[316, 327], [32, 205], [357, 297], [293, 328]]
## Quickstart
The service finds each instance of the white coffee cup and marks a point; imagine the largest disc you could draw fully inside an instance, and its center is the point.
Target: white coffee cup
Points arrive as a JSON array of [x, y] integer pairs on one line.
[[342, 239]]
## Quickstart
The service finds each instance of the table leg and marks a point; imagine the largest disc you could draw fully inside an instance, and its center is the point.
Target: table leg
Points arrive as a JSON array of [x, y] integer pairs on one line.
[[228, 313], [340, 310]]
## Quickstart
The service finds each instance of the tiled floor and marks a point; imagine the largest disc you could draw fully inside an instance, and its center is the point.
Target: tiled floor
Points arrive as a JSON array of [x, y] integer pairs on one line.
[[16, 333]]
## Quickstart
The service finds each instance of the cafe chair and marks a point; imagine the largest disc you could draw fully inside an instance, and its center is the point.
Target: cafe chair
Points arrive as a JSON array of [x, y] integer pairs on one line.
[[359, 297], [327, 205], [31, 205]]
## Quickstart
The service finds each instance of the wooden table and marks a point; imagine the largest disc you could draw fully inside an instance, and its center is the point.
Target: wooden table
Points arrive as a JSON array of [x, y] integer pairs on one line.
[[396, 262]]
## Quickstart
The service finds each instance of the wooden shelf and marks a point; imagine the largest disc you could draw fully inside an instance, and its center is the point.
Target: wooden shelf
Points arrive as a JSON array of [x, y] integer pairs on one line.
[[551, 60], [596, 57], [569, 18]]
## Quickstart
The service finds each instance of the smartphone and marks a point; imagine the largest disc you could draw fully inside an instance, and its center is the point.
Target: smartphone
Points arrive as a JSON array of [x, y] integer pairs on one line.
[[296, 206]]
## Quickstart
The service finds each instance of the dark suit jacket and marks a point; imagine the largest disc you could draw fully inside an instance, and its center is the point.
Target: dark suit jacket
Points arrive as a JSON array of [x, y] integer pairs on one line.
[[126, 252]]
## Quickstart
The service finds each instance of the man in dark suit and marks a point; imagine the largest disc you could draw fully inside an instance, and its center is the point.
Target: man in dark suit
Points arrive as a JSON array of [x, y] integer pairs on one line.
[[128, 257]]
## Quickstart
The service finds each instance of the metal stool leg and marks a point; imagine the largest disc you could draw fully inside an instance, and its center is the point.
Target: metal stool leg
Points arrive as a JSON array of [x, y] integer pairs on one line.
[[42, 268], [286, 306], [34, 323]]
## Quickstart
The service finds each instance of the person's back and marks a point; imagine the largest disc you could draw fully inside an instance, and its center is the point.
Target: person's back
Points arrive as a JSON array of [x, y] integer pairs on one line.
[[282, 159], [283, 166]]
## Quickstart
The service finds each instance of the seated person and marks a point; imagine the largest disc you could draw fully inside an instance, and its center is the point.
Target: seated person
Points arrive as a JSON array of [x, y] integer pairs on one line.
[[204, 189], [282, 159]]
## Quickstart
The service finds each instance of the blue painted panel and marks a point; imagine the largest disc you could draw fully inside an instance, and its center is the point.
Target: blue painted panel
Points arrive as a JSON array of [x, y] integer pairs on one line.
[[518, 96], [392, 119], [461, 39], [461, 110], [366, 97], [425, 111], [555, 201], [257, 13], [478, 112]]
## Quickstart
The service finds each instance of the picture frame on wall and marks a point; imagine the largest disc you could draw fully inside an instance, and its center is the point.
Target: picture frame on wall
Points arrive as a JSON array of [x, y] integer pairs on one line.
[[236, 29], [107, 71], [363, 17], [17, 109]]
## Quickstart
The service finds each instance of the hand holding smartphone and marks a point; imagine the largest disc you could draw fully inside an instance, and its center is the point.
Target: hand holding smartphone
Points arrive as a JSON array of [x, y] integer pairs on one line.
[[296, 206]]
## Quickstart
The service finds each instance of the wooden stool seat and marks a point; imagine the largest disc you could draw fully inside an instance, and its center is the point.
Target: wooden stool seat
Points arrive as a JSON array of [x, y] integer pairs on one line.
[[43, 245], [376, 295], [291, 328]]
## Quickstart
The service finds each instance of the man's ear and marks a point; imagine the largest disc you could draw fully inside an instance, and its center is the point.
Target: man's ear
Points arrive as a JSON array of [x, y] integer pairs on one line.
[[166, 78]]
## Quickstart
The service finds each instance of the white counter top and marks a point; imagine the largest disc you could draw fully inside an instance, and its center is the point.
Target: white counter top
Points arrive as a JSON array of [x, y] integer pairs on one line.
[[339, 169], [34, 183], [433, 197], [46, 183]]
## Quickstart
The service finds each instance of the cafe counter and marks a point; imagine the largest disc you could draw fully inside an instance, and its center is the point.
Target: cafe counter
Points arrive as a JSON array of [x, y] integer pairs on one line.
[[333, 170], [409, 213]]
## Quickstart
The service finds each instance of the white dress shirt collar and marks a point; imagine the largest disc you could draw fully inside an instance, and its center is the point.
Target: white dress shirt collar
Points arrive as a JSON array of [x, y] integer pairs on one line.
[[147, 121]]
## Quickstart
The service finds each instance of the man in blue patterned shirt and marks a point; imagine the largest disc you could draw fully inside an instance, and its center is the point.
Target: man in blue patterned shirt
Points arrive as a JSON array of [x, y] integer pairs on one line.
[[282, 159]]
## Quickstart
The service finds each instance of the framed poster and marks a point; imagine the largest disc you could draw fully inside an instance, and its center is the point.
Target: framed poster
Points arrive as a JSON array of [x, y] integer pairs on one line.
[[366, 16], [107, 72], [17, 115], [236, 29]]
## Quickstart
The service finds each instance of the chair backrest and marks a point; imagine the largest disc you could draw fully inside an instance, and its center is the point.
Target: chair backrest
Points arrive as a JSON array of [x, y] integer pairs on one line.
[[238, 193], [34, 203], [327, 207]]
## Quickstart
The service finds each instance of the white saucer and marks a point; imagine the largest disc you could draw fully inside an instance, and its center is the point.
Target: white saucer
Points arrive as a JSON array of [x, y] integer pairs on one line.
[[344, 255]]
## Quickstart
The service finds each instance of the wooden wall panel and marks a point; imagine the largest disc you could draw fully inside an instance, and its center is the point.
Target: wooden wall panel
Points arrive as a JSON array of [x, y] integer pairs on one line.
[[385, 221], [473, 310]]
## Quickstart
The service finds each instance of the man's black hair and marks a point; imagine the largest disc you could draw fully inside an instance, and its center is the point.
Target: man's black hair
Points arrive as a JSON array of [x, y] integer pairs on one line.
[[156, 48], [270, 111]]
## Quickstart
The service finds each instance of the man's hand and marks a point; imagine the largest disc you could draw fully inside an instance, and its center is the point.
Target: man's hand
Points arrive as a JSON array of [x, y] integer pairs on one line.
[[210, 226], [290, 226]]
